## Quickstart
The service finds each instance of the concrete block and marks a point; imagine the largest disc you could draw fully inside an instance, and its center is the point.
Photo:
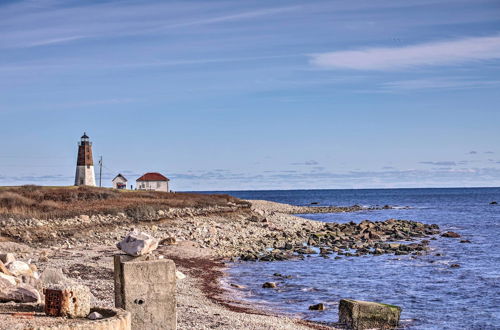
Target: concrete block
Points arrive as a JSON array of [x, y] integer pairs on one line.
[[357, 314], [68, 301], [147, 289]]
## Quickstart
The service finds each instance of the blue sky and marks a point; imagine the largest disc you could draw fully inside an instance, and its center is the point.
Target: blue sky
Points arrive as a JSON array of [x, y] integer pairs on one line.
[[223, 95]]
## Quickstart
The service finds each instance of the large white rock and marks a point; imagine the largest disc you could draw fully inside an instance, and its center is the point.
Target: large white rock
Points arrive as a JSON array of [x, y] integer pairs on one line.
[[19, 268], [138, 243], [21, 293], [8, 278]]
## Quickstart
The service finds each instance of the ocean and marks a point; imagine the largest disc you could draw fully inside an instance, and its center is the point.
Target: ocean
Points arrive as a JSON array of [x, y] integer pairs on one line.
[[431, 293]]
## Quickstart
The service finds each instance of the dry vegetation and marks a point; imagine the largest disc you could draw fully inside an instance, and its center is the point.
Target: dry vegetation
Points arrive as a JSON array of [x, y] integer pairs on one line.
[[64, 202]]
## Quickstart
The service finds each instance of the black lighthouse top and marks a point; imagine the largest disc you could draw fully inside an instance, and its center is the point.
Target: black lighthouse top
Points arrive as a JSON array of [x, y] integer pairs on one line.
[[85, 151], [85, 137]]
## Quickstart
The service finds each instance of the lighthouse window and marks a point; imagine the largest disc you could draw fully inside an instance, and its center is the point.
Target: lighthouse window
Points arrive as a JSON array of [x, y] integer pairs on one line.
[[88, 166]]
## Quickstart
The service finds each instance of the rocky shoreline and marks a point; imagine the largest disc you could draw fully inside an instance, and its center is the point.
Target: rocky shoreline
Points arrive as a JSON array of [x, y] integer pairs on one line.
[[263, 207], [83, 247]]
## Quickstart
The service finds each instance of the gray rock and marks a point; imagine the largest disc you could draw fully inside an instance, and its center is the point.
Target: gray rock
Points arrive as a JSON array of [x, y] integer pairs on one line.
[[450, 234], [237, 286], [356, 314], [53, 276], [317, 307], [94, 316], [21, 293], [269, 285], [138, 243], [8, 278]]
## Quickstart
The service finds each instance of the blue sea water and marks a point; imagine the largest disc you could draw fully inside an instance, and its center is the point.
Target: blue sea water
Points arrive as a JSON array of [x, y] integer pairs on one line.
[[431, 293]]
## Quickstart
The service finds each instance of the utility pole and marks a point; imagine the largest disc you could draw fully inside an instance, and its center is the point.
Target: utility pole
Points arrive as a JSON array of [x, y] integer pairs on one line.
[[100, 172]]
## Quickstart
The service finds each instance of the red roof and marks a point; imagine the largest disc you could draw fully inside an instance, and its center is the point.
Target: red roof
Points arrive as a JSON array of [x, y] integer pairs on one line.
[[153, 176]]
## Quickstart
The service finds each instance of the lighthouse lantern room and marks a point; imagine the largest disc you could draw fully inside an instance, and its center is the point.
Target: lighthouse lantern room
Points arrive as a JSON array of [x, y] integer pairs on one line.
[[84, 164]]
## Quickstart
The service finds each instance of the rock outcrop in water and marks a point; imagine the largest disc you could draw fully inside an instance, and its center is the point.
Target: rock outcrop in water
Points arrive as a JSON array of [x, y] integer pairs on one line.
[[358, 315], [349, 239], [451, 234]]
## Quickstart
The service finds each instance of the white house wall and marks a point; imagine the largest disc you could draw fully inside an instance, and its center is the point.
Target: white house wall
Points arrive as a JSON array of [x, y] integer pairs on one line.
[[118, 180], [153, 185]]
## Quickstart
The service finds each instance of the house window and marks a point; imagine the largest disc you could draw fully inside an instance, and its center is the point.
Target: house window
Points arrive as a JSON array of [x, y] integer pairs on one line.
[[158, 185], [88, 166]]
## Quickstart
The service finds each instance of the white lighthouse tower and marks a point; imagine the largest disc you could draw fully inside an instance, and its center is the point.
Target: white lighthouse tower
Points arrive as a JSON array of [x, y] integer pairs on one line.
[[84, 164]]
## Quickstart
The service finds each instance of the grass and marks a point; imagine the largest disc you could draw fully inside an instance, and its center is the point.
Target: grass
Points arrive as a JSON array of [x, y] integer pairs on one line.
[[64, 202]]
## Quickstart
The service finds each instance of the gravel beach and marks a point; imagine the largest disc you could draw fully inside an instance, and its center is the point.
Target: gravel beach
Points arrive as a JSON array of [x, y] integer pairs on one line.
[[199, 242]]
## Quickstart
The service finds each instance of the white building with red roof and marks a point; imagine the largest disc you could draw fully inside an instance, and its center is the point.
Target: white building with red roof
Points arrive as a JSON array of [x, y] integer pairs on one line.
[[153, 181]]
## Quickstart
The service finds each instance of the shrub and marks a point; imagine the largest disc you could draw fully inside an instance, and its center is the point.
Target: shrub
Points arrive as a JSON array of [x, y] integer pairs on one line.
[[64, 202]]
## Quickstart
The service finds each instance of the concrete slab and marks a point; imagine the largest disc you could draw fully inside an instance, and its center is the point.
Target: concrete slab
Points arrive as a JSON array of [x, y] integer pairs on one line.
[[147, 289]]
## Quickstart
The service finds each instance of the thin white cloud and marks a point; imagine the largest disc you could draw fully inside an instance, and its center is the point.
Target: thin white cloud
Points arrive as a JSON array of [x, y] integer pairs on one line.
[[233, 17], [56, 24], [438, 84], [427, 54], [306, 163], [53, 41], [440, 163]]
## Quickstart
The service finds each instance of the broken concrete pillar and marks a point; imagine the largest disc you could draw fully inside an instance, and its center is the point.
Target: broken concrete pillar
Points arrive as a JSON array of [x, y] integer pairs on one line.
[[357, 314], [146, 288], [69, 301]]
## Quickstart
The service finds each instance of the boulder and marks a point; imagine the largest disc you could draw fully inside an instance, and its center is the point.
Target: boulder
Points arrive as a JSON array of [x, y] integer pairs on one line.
[[237, 286], [22, 293], [94, 316], [179, 275], [450, 234], [168, 241], [317, 307], [7, 257], [357, 314], [138, 243], [8, 278], [493, 203], [269, 285], [19, 268], [52, 276]]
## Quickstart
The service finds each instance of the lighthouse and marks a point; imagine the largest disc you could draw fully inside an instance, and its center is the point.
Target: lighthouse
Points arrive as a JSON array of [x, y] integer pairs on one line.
[[84, 164]]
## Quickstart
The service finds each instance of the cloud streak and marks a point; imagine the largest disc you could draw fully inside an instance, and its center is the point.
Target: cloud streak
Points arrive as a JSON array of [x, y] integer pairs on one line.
[[306, 163], [453, 83], [441, 53], [54, 23], [442, 163]]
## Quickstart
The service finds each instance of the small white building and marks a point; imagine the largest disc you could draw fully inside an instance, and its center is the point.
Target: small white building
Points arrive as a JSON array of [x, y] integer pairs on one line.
[[153, 181], [120, 182]]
